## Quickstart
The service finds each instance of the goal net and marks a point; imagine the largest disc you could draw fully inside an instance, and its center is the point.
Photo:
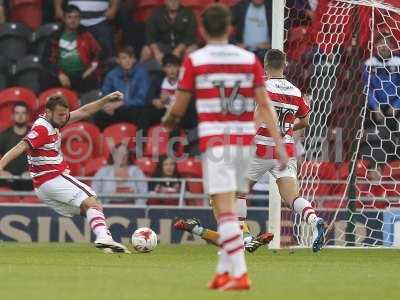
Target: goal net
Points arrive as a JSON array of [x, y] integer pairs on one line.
[[345, 56]]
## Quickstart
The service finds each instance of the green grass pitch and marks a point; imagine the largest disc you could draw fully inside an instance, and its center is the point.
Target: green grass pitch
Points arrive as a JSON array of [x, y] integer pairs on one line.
[[79, 271]]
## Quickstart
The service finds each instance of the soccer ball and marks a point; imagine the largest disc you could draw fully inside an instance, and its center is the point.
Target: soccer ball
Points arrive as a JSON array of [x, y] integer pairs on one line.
[[144, 239]]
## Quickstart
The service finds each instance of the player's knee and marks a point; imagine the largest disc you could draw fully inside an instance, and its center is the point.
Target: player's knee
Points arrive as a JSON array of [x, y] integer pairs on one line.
[[90, 203]]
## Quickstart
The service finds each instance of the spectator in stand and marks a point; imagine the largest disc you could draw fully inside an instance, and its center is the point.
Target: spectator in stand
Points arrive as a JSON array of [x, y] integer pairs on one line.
[[382, 78], [132, 79], [166, 169], [11, 137], [163, 95], [72, 55], [171, 29], [253, 23], [109, 178], [2, 12], [96, 17]]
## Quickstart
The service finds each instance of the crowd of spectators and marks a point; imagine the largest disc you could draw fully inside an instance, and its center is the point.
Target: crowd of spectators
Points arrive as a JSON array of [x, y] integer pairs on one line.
[[137, 46]]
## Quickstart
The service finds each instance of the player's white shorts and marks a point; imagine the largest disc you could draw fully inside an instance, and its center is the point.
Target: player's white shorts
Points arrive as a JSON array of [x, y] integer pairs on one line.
[[64, 194], [258, 167], [224, 169]]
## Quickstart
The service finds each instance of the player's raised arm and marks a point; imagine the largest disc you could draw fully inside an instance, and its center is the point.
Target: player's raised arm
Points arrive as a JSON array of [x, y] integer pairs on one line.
[[266, 113], [12, 154], [86, 111]]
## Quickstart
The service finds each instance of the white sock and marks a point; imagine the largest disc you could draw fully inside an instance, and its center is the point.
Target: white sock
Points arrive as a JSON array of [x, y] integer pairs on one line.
[[224, 264], [303, 207], [97, 223], [231, 241], [241, 207]]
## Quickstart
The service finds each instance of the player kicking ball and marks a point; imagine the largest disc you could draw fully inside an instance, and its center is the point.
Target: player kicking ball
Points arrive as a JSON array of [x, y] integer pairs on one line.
[[293, 113], [225, 80], [49, 171]]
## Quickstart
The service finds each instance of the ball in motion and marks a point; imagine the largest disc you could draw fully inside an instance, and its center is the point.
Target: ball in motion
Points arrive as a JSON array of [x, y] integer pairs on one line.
[[144, 239]]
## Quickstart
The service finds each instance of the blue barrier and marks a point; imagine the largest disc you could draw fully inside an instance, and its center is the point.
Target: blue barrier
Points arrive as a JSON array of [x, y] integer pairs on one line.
[[38, 223]]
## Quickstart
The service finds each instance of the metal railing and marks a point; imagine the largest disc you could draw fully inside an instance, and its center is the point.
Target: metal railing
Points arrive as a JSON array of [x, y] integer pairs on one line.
[[185, 194]]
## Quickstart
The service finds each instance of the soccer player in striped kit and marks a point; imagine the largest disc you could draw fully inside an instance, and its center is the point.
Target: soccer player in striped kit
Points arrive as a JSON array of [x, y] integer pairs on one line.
[[293, 113], [225, 80], [49, 171]]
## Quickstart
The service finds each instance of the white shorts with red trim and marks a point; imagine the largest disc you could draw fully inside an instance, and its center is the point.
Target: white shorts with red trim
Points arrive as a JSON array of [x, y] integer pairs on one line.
[[64, 194], [224, 168], [258, 167]]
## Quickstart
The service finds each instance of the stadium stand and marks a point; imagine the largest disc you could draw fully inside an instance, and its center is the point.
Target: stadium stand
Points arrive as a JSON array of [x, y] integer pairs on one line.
[[81, 141], [14, 40], [70, 95], [27, 73], [116, 134], [147, 165], [11, 95], [40, 36], [28, 12], [5, 65]]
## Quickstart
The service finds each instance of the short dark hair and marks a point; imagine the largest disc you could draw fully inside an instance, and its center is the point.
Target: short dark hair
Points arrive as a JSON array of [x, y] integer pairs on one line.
[[216, 18], [171, 59], [56, 100], [275, 59], [71, 8], [128, 50], [20, 103]]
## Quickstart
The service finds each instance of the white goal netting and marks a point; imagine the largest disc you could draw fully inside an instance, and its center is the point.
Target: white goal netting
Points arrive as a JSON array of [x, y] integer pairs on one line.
[[345, 56]]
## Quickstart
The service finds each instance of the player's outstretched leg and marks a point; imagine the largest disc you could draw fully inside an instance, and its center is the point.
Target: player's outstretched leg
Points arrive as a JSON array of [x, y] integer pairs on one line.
[[97, 222], [303, 207], [258, 241], [251, 243], [193, 226]]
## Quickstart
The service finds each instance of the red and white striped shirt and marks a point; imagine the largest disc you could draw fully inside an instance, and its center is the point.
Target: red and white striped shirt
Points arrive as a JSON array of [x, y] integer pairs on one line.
[[168, 89], [45, 158], [289, 105], [223, 78]]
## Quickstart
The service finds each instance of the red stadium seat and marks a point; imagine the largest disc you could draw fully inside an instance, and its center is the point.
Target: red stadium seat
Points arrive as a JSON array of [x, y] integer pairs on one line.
[[229, 3], [157, 141], [362, 168], [69, 95], [93, 165], [29, 199], [9, 97], [318, 171], [195, 188], [196, 4], [8, 199], [28, 12], [392, 170], [146, 165], [76, 169], [144, 9], [81, 142], [190, 167], [116, 134]]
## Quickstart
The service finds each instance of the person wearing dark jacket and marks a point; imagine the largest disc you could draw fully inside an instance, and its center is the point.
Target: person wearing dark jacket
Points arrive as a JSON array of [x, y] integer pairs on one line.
[[132, 79], [171, 29], [71, 55], [252, 20]]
